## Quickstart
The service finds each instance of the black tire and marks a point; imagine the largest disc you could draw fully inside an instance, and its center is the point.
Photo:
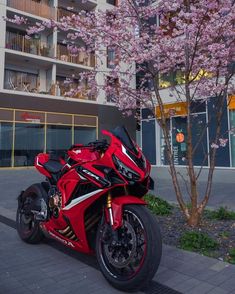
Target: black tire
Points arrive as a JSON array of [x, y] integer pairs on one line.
[[150, 246], [27, 228]]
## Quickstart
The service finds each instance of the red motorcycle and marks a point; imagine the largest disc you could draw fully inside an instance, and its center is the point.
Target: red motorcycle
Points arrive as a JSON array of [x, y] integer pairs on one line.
[[92, 202]]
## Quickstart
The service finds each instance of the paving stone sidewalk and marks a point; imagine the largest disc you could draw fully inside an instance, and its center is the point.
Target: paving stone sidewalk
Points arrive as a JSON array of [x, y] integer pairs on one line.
[[43, 269]]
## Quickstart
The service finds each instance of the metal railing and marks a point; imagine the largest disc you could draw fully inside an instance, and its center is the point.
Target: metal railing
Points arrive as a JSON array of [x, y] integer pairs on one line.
[[19, 42], [87, 59], [62, 12], [61, 89]]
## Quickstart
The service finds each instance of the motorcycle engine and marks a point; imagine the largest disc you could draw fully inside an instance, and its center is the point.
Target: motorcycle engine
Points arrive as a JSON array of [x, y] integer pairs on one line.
[[54, 201]]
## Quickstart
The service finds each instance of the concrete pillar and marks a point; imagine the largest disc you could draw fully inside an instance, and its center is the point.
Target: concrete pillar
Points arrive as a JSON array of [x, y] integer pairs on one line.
[[2, 41]]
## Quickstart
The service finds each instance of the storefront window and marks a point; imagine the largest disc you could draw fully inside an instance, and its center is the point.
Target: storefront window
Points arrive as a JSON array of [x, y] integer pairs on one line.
[[232, 136], [179, 147], [83, 135], [222, 157], [59, 138], [149, 140], [29, 141], [178, 137], [5, 144], [25, 133], [199, 140], [163, 147]]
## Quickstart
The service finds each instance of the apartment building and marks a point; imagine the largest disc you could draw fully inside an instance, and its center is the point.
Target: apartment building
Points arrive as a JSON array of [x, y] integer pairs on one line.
[[35, 114]]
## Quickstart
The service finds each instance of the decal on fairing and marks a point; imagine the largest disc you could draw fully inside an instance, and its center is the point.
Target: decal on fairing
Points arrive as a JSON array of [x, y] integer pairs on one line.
[[80, 199], [124, 151], [85, 172]]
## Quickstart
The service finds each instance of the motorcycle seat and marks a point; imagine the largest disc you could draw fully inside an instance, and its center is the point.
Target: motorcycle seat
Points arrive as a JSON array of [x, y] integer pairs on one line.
[[53, 166]]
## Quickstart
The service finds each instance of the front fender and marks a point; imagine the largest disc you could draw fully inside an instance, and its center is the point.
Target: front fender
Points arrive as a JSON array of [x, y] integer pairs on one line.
[[117, 208]]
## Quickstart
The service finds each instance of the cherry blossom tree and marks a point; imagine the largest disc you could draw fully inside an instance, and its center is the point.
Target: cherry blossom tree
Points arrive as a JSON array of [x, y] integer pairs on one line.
[[152, 39]]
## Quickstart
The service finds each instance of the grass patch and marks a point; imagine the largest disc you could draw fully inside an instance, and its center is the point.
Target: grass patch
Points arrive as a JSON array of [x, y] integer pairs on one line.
[[220, 214], [198, 242], [224, 235], [231, 257], [157, 205]]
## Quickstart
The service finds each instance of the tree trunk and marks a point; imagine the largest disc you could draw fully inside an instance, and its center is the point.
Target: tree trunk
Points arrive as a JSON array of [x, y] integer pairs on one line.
[[194, 219]]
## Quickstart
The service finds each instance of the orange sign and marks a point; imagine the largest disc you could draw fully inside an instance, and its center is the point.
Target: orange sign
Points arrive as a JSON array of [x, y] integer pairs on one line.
[[231, 102], [180, 137], [172, 109]]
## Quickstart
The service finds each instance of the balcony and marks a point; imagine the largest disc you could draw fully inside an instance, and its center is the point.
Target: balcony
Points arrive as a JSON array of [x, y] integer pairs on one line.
[[63, 12], [18, 42], [77, 5], [21, 81], [40, 7], [83, 58], [66, 90]]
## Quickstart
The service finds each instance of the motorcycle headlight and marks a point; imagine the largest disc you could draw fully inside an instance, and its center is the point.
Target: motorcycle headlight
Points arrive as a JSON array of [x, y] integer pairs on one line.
[[125, 170]]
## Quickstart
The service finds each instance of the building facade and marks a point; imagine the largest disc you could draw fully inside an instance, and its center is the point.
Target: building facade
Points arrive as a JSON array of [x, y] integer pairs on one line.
[[35, 115], [153, 143]]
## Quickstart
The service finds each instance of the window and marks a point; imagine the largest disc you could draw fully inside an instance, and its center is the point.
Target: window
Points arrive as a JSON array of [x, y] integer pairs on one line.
[[163, 147], [178, 139], [149, 140], [84, 135], [112, 57], [171, 79], [112, 90], [59, 138], [25, 133], [113, 2], [6, 131], [232, 136], [21, 81], [29, 141]]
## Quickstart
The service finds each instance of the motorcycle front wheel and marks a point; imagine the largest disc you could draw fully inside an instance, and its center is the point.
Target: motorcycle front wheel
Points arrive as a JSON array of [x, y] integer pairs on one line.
[[129, 257]]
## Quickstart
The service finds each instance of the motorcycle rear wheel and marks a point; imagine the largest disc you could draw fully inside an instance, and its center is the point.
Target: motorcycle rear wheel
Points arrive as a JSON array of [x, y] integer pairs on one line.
[[27, 227], [130, 260]]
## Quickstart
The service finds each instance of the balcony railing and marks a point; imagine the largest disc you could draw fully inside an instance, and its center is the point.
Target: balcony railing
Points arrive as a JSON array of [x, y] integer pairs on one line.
[[40, 8], [19, 42], [21, 81], [87, 59], [62, 12], [61, 89]]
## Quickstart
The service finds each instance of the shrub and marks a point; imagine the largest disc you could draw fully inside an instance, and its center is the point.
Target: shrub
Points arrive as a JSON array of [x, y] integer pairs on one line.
[[199, 242], [231, 257], [224, 235], [220, 214], [158, 205]]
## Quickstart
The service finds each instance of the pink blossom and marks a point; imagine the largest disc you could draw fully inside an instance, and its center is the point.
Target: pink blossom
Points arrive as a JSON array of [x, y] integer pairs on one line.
[[223, 142], [214, 146]]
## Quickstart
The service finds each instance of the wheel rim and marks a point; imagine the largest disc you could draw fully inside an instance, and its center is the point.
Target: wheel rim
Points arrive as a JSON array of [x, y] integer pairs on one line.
[[124, 258], [25, 218]]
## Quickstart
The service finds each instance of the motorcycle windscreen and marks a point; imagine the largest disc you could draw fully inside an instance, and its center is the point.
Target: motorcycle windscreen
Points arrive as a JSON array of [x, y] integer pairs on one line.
[[122, 134]]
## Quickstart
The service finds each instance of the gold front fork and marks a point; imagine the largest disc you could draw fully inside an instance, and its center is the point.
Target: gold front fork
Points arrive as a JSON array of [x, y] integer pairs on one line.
[[109, 206]]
